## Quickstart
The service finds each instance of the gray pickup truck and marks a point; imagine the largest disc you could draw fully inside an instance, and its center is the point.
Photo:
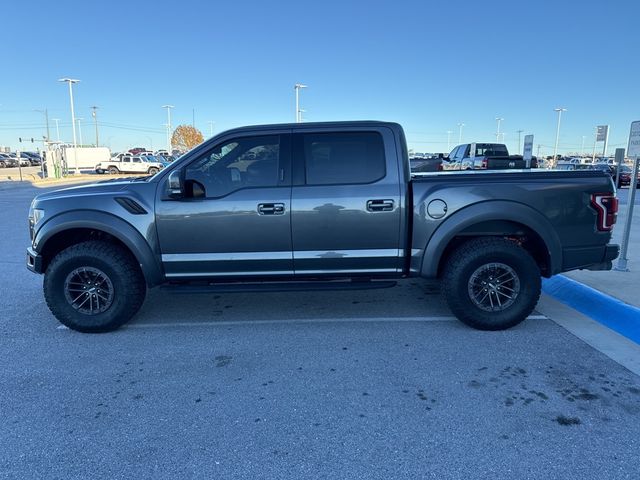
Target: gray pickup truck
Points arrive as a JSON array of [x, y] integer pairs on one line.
[[316, 206]]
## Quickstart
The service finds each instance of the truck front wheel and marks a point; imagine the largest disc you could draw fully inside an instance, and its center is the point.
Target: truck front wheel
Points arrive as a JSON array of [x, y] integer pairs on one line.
[[94, 287], [491, 283]]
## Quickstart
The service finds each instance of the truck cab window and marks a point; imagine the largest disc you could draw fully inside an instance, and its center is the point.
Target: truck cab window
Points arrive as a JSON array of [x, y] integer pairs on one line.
[[246, 162], [343, 158]]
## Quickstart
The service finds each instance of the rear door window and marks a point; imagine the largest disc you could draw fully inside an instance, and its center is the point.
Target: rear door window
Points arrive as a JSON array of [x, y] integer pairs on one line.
[[343, 158]]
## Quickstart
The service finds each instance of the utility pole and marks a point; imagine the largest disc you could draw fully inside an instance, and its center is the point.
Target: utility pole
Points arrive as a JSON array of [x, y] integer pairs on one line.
[[449, 132], [94, 114], [45, 112], [57, 128], [297, 88], [519, 141]]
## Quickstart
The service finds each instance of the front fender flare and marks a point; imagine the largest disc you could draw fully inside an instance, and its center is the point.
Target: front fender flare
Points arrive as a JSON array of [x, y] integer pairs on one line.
[[487, 211], [95, 220]]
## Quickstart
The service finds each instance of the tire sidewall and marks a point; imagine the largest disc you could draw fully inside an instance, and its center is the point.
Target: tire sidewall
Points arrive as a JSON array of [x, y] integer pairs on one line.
[[54, 288], [528, 276]]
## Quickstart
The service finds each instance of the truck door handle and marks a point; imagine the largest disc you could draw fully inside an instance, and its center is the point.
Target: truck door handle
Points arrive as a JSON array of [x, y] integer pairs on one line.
[[379, 205], [271, 208]]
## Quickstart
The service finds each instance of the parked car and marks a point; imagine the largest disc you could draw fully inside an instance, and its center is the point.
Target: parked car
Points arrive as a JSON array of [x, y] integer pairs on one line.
[[34, 158], [487, 156], [129, 164], [8, 161], [136, 150], [23, 161], [239, 212], [573, 166]]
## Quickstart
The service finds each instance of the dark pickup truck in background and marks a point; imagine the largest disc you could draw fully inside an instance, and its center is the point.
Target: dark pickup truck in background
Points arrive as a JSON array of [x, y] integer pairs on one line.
[[316, 206], [487, 156]]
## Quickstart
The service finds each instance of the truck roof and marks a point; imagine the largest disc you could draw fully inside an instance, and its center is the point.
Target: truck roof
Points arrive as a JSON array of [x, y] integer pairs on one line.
[[314, 125]]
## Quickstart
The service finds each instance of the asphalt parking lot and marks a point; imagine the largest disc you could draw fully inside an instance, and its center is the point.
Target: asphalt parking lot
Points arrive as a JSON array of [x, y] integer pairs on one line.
[[369, 384]]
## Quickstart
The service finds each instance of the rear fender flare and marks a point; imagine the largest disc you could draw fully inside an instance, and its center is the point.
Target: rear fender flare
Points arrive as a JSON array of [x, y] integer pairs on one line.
[[487, 211]]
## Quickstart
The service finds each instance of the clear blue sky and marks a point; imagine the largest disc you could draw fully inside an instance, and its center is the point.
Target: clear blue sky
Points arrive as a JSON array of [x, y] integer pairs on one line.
[[427, 65]]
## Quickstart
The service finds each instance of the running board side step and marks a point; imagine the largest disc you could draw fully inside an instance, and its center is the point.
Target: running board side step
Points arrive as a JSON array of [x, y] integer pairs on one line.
[[275, 286]]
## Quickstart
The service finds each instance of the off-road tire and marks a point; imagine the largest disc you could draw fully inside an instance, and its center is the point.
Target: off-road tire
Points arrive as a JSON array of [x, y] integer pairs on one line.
[[481, 253], [123, 272], [153, 171], [113, 170]]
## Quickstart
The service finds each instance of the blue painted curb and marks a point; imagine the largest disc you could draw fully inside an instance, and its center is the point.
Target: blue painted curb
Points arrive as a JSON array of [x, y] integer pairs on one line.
[[609, 311]]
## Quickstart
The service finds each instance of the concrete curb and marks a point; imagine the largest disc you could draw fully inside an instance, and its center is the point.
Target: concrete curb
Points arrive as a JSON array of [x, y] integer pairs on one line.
[[610, 312]]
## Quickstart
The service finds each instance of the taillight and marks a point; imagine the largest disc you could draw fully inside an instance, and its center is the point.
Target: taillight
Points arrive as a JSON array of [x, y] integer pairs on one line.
[[606, 204]]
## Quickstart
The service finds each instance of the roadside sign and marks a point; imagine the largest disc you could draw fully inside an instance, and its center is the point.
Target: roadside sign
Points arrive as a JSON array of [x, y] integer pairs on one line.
[[633, 149], [527, 152], [601, 134]]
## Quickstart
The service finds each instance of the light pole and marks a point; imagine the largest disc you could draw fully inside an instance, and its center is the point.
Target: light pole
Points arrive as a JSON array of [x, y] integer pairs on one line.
[[498, 119], [555, 147], [582, 148], [460, 125], [94, 114], [57, 128], [297, 88], [519, 140], [211, 123], [71, 81], [449, 132], [168, 107], [80, 129]]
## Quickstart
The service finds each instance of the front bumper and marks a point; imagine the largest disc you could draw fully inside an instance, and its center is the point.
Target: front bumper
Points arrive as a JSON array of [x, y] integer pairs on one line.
[[34, 261]]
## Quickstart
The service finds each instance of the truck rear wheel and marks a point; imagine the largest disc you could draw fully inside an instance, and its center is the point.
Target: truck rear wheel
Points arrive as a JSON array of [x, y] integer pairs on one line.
[[113, 170], [491, 283], [153, 171], [94, 287]]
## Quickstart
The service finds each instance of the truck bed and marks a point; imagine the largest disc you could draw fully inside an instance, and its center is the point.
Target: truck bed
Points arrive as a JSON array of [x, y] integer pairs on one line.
[[549, 203]]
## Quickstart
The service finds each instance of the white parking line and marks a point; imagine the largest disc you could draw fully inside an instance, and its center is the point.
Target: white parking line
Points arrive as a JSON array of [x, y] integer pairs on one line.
[[443, 318]]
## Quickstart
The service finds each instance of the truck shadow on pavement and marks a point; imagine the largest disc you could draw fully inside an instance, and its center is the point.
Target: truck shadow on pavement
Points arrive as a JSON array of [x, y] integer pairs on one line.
[[410, 298]]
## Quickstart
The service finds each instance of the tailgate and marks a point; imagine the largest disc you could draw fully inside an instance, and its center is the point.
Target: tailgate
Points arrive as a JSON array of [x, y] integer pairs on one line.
[[500, 163]]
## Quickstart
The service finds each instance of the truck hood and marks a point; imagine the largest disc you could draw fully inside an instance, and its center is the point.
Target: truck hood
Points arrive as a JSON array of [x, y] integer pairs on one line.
[[99, 188]]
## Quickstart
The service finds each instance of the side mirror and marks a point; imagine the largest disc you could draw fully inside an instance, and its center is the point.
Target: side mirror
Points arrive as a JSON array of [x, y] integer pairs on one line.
[[174, 184]]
